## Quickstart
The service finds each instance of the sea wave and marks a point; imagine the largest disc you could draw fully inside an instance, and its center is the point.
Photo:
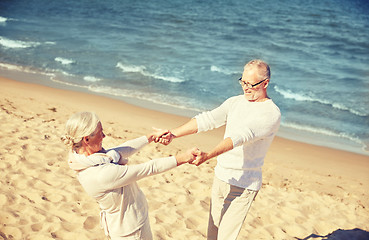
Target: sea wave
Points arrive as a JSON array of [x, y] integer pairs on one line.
[[13, 67], [131, 68], [288, 94], [322, 131], [222, 70], [152, 97], [64, 61], [143, 71], [8, 43], [3, 19], [55, 79], [91, 79]]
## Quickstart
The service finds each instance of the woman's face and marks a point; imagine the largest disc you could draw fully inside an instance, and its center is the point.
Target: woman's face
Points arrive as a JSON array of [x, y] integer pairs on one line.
[[95, 141]]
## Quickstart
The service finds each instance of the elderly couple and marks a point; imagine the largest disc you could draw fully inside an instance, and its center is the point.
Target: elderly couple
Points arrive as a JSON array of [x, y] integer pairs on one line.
[[252, 120]]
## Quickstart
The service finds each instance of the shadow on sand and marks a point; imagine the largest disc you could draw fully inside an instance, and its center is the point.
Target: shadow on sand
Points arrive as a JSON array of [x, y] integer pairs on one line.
[[340, 234]]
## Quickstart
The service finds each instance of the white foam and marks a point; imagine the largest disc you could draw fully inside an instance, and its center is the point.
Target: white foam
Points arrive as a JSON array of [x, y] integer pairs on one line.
[[91, 79], [322, 131], [142, 70], [168, 79], [54, 79], [23, 69], [222, 70], [8, 43], [152, 97], [11, 67], [64, 61], [130, 68], [3, 19], [288, 94]]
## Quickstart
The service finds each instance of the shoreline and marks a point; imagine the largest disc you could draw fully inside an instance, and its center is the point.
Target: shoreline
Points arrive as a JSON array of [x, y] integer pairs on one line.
[[162, 119], [316, 139], [307, 190]]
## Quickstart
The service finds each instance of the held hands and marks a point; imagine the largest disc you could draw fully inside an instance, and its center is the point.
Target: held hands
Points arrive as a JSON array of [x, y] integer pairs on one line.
[[165, 138], [192, 156], [157, 134], [188, 156], [201, 157]]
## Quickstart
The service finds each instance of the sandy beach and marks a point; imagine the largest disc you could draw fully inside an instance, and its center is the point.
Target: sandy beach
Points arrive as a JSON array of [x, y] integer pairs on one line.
[[309, 192]]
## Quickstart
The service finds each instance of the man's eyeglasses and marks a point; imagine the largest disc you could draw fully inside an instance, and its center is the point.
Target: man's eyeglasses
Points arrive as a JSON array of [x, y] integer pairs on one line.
[[249, 85]]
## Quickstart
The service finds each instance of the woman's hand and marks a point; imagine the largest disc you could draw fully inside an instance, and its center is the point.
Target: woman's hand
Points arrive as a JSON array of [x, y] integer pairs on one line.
[[188, 156], [166, 138], [200, 158], [156, 134]]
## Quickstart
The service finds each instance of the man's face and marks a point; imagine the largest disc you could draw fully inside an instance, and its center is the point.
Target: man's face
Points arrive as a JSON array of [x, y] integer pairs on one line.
[[250, 77]]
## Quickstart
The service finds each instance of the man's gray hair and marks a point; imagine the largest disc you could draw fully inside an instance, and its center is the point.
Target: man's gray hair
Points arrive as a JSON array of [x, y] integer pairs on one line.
[[262, 67]]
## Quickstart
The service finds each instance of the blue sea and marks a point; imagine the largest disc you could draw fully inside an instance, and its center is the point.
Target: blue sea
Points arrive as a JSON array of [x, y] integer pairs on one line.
[[185, 56]]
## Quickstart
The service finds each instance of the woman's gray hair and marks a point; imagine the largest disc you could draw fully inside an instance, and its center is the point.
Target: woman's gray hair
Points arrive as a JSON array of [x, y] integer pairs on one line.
[[262, 67], [78, 126]]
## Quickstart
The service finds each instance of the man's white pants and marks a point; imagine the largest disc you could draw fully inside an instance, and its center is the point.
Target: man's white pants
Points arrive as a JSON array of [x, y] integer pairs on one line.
[[228, 209]]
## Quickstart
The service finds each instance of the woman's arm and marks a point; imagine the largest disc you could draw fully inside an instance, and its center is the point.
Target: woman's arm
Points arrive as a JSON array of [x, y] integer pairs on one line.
[[119, 176], [130, 147]]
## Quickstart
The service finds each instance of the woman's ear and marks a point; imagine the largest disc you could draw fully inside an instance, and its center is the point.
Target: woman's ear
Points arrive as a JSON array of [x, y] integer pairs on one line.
[[85, 140]]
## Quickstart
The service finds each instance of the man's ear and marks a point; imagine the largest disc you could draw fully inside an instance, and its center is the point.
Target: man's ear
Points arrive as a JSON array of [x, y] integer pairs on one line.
[[266, 83]]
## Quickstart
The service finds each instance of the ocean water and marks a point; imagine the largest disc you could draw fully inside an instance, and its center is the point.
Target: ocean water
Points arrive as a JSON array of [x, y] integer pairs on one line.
[[189, 54]]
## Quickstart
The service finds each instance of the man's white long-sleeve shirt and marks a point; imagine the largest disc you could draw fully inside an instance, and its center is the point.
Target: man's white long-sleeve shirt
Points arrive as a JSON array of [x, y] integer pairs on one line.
[[251, 126]]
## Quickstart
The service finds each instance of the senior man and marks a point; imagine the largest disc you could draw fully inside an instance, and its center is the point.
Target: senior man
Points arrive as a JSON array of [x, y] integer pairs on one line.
[[252, 120]]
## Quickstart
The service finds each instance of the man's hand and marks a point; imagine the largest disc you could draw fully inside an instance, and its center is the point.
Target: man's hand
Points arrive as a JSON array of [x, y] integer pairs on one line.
[[156, 134], [188, 157], [201, 157], [165, 138]]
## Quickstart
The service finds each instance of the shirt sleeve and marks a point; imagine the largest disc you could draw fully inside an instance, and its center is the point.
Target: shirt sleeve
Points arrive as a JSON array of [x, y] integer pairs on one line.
[[213, 119], [130, 147], [116, 176], [265, 126]]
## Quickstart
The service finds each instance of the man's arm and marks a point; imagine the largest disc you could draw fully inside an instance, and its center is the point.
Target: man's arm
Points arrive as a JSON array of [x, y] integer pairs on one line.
[[188, 128], [204, 121], [224, 146]]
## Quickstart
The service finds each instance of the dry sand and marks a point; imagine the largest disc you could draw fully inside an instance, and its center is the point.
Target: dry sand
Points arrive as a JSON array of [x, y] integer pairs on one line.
[[309, 192]]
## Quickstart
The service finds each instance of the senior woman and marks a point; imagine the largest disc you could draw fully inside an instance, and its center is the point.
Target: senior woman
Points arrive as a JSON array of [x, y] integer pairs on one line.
[[105, 176]]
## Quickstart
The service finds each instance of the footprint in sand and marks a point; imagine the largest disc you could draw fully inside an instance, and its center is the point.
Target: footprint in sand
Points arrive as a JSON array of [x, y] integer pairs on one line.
[[91, 222], [69, 227], [8, 218], [11, 233], [191, 223], [54, 197], [38, 217], [37, 227], [3, 199]]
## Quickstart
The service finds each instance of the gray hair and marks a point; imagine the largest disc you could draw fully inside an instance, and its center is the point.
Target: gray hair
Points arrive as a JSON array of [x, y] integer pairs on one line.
[[79, 125], [262, 67]]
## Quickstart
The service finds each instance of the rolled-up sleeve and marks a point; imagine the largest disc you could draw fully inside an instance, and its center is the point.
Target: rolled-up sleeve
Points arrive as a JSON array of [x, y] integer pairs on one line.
[[240, 138], [263, 127], [213, 119]]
